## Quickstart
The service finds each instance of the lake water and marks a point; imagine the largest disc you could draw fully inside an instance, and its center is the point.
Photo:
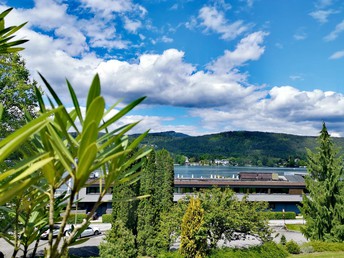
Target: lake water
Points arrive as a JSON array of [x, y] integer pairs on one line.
[[229, 171]]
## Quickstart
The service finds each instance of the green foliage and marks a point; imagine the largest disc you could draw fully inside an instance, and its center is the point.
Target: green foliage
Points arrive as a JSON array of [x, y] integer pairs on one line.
[[17, 93], [279, 215], [267, 250], [119, 242], [156, 181], [193, 243], [7, 45], [107, 218], [79, 218], [54, 156], [292, 247], [283, 240], [319, 246], [323, 208], [225, 214]]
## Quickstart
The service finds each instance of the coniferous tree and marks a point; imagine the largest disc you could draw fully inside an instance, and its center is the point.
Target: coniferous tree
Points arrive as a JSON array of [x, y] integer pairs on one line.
[[193, 243], [157, 181], [323, 208]]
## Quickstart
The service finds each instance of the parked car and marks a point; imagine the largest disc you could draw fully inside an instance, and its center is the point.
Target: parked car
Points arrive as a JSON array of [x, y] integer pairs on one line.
[[45, 234], [89, 231]]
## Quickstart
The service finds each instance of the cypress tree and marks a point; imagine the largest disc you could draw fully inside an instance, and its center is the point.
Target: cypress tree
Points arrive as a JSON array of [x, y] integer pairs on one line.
[[157, 181], [323, 207], [193, 243]]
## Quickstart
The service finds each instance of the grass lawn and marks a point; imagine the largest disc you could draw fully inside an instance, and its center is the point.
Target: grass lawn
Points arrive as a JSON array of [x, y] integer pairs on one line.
[[321, 255], [295, 227]]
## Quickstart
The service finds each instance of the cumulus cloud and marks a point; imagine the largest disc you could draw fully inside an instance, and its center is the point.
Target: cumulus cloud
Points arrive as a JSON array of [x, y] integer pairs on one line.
[[337, 55], [167, 79], [335, 33], [249, 48], [215, 20], [284, 109]]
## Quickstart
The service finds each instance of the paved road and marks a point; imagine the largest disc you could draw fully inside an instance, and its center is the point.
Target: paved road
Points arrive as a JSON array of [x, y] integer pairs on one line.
[[90, 248], [87, 249]]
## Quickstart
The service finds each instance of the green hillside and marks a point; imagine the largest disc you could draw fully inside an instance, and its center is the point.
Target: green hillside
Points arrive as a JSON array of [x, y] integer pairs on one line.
[[248, 147]]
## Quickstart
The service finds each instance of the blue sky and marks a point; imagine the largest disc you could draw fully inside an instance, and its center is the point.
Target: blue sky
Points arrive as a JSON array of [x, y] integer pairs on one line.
[[205, 66]]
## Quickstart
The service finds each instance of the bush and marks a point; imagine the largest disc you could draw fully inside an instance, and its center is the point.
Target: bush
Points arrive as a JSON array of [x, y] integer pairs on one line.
[[319, 246], [79, 218], [307, 249], [279, 215], [119, 242], [283, 240], [267, 250], [293, 247], [107, 218]]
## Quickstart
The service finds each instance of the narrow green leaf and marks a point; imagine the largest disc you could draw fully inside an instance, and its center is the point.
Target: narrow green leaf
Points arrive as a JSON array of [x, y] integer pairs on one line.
[[83, 170], [15, 140], [75, 102], [89, 137], [95, 112], [33, 168], [4, 13], [9, 194], [94, 91]]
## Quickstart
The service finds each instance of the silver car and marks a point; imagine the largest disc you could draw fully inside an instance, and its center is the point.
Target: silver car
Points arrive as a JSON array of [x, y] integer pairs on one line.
[[89, 231]]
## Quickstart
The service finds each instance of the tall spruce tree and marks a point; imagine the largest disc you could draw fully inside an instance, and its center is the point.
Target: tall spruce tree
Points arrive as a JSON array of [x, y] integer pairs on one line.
[[157, 181], [323, 208]]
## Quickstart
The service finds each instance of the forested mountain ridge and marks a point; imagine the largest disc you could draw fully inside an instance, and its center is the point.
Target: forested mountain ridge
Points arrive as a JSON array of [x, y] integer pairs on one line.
[[250, 146]]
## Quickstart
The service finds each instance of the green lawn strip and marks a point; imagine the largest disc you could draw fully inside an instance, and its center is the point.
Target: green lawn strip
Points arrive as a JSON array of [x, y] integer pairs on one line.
[[294, 227], [320, 255]]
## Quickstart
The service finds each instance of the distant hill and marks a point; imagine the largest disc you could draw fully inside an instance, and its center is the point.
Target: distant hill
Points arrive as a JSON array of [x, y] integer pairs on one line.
[[237, 144]]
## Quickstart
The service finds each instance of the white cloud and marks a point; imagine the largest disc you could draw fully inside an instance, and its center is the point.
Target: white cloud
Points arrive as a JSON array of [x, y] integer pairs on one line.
[[166, 39], [249, 48], [214, 20], [335, 33], [132, 25], [109, 7], [322, 15], [287, 110], [337, 55]]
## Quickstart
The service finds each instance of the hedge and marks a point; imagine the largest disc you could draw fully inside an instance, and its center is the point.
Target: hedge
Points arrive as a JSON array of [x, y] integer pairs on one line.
[[319, 246], [267, 250], [107, 218], [279, 215]]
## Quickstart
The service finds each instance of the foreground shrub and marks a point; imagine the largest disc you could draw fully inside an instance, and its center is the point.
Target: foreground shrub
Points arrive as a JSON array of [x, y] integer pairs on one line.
[[279, 215], [119, 242], [293, 247], [283, 240], [319, 246], [267, 250], [107, 218]]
